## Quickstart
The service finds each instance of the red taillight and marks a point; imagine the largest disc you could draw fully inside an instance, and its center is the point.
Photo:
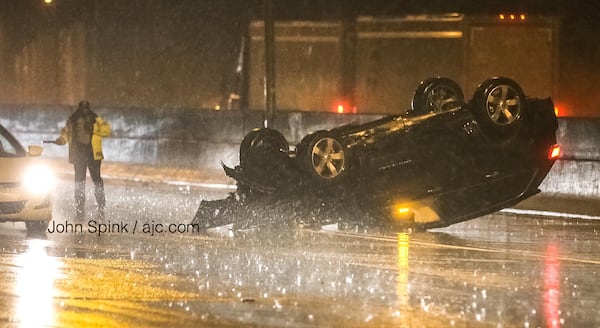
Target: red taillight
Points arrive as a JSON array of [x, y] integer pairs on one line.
[[554, 152], [340, 108]]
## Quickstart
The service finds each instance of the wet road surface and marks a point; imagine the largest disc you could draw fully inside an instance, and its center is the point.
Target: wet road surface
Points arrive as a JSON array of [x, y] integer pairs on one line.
[[497, 271]]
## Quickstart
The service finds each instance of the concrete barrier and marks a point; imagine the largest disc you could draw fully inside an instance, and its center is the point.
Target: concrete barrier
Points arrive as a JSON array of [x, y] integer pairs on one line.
[[165, 136], [194, 138], [573, 178], [579, 138]]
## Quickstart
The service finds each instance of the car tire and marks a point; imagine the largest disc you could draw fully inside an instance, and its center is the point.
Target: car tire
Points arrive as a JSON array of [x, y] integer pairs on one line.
[[436, 95], [498, 105], [36, 226], [323, 157], [268, 140]]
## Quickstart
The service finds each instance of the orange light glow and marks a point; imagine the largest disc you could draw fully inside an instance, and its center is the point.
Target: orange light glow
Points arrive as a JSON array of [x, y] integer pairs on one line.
[[562, 110], [522, 17], [501, 16], [552, 283], [402, 212], [343, 107], [512, 17], [554, 152], [402, 266]]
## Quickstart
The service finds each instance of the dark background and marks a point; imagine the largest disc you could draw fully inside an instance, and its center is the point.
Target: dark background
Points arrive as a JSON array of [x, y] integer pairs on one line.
[[192, 47]]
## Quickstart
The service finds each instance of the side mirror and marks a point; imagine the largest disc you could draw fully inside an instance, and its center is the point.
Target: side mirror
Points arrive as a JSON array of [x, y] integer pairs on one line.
[[35, 151]]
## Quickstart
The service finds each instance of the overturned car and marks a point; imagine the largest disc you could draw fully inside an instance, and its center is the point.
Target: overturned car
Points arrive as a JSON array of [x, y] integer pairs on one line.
[[444, 161]]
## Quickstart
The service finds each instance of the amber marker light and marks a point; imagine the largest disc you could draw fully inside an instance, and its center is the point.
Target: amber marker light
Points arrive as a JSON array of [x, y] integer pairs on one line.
[[554, 152], [402, 213]]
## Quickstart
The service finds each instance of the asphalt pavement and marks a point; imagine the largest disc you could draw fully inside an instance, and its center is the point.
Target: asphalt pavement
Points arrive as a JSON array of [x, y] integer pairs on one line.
[[544, 204], [146, 267], [124, 172]]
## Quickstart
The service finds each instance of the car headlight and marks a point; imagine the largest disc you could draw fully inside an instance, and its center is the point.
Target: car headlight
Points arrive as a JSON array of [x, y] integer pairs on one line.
[[38, 179]]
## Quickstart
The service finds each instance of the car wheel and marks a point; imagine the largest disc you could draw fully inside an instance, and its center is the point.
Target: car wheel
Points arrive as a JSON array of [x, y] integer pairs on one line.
[[436, 95], [498, 106], [264, 139], [323, 157], [36, 226]]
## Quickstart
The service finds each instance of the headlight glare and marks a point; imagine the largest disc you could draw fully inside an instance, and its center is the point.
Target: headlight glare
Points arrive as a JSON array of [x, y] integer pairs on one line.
[[38, 179]]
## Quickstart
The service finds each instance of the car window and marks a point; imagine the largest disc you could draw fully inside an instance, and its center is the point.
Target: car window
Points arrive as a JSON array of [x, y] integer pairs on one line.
[[9, 147]]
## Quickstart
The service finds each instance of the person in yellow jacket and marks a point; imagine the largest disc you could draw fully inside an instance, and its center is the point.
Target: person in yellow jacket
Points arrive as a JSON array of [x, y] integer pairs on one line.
[[83, 132]]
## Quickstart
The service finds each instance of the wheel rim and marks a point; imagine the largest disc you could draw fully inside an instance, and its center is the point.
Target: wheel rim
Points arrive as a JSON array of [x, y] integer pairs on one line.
[[503, 105], [442, 98], [328, 158]]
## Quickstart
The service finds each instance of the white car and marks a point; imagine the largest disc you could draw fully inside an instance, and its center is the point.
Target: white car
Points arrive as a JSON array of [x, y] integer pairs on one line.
[[26, 184]]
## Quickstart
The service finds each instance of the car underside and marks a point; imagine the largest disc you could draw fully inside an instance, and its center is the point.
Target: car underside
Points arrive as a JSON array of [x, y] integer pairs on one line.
[[444, 161]]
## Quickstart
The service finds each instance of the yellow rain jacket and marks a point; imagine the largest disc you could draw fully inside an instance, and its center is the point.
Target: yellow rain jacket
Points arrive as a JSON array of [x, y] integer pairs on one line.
[[101, 129]]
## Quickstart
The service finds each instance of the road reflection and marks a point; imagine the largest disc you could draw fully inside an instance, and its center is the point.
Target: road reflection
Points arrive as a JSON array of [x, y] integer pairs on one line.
[[35, 285], [552, 287], [477, 277], [402, 286], [42, 290], [109, 293]]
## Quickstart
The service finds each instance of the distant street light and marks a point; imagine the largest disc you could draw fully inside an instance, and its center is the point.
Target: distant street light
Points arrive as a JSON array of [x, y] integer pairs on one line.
[[47, 2]]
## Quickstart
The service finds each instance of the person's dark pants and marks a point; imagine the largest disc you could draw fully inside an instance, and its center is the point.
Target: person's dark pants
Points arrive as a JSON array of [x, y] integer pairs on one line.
[[80, 172]]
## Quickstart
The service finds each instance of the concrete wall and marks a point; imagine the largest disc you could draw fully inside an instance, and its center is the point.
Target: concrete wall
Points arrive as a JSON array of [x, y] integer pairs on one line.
[[573, 178], [203, 138], [188, 138], [579, 138]]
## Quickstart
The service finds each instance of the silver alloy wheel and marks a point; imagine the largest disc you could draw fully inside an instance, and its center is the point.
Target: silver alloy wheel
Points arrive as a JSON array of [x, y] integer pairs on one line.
[[503, 105], [328, 159]]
